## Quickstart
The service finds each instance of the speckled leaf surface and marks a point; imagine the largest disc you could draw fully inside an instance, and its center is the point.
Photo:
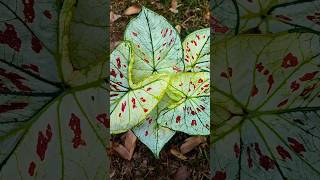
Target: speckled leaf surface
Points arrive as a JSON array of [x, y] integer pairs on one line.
[[152, 134], [266, 107], [47, 108], [250, 16], [191, 112], [156, 45], [130, 104], [196, 48]]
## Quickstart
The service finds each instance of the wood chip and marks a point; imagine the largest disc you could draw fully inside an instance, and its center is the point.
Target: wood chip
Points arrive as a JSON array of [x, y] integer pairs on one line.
[[114, 17], [135, 9], [178, 154], [178, 28], [191, 143]]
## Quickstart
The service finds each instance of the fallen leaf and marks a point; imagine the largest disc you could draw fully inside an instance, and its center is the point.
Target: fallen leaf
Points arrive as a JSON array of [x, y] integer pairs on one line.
[[191, 143], [135, 9], [126, 150], [178, 28], [178, 154], [114, 17], [182, 173], [207, 16], [174, 5]]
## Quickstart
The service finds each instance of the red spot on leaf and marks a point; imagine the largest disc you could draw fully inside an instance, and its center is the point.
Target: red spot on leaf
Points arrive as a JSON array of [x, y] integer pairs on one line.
[[146, 133], [193, 123], [200, 80], [220, 175], [282, 103], [309, 89], [10, 37], [145, 110], [12, 106], [133, 100], [142, 99], [283, 153], [259, 67], [47, 14], [32, 167], [102, 118], [194, 42], [36, 44], [236, 150], [289, 61], [266, 162], [15, 79], [32, 67], [270, 82], [43, 141], [257, 149], [283, 17], [308, 76], [134, 34], [149, 88], [123, 106], [266, 72], [198, 37], [118, 62], [178, 119], [74, 125], [146, 60], [294, 86], [113, 73], [254, 91], [296, 145], [28, 10]]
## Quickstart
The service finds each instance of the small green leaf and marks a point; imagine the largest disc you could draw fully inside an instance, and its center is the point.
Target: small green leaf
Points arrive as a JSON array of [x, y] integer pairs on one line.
[[191, 114], [196, 48], [156, 46]]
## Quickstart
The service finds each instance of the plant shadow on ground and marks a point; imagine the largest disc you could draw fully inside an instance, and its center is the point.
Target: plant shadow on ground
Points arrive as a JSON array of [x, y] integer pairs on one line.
[[192, 15]]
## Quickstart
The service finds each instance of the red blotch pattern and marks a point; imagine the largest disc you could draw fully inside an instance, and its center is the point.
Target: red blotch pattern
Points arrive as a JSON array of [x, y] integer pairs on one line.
[[28, 11], [220, 175], [296, 146], [74, 125], [16, 79], [10, 37], [12, 106], [289, 61], [47, 14], [32, 167], [283, 153], [102, 118], [36, 45], [43, 141]]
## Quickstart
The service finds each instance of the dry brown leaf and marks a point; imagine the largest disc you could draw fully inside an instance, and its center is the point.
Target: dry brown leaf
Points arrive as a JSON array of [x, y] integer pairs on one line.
[[114, 17], [130, 142], [126, 150], [182, 173], [191, 143], [178, 154], [135, 9], [174, 6], [207, 16], [178, 28]]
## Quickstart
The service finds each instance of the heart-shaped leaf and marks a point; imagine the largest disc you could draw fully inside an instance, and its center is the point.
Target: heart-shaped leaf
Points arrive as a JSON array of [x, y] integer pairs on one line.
[[196, 48], [156, 46], [152, 134], [191, 113], [53, 117], [247, 16], [266, 107], [131, 103]]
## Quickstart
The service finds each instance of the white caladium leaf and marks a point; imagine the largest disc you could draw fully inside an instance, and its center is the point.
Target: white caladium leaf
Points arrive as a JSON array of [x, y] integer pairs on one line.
[[156, 46], [247, 16], [266, 107], [196, 47], [152, 134], [131, 104], [43, 117], [191, 114]]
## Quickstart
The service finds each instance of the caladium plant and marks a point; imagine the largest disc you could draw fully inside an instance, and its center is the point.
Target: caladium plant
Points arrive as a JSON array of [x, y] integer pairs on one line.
[[160, 85], [53, 96], [265, 92]]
